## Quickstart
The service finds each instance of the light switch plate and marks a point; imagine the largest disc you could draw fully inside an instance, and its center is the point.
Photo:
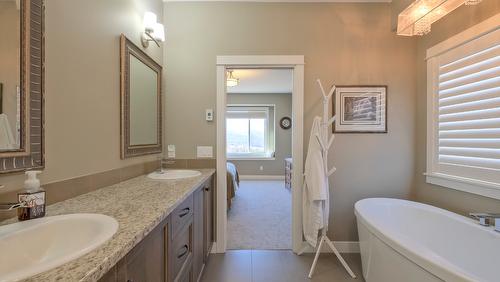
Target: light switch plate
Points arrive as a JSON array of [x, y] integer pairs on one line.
[[209, 114], [204, 152], [171, 151]]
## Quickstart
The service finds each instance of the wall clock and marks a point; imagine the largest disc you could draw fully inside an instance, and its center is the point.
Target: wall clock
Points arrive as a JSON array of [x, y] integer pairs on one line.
[[286, 123]]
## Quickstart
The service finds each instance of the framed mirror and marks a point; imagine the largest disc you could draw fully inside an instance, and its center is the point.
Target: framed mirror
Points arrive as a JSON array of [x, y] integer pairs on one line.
[[21, 85], [140, 87]]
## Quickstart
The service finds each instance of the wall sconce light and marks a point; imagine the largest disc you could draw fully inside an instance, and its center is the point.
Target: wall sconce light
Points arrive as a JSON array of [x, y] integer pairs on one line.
[[418, 17], [153, 31]]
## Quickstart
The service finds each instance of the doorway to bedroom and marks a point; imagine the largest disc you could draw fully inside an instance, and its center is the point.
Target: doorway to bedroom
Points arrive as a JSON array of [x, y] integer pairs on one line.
[[258, 151]]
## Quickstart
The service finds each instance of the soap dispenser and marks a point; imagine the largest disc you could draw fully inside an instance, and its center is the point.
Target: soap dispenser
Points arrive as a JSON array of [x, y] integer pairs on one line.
[[32, 199]]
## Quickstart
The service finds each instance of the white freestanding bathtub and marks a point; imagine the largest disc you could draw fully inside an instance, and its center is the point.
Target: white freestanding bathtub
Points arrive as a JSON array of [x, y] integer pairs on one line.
[[413, 242]]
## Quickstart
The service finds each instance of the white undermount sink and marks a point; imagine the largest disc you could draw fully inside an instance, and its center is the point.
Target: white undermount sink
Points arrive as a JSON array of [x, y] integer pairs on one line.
[[34, 246], [171, 174]]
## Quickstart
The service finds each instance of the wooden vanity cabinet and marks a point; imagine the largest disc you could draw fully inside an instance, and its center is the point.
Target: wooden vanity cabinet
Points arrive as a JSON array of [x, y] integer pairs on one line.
[[177, 249], [202, 230], [209, 218], [198, 259], [182, 242], [146, 261]]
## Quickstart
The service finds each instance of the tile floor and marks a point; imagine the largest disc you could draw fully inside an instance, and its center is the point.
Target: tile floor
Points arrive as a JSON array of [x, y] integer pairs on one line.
[[277, 266]]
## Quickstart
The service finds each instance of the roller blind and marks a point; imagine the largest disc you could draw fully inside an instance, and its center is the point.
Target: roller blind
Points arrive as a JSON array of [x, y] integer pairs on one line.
[[467, 120], [249, 112]]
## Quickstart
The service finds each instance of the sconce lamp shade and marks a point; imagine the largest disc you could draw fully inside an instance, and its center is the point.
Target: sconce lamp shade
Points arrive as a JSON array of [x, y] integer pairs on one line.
[[159, 32], [153, 31], [149, 21]]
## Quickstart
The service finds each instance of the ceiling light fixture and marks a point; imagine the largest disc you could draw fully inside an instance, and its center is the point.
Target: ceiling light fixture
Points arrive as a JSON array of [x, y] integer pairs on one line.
[[153, 31], [419, 16], [231, 81]]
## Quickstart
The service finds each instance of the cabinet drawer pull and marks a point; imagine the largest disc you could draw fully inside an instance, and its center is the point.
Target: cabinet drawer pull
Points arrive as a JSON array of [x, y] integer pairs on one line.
[[185, 250], [184, 212], [207, 189]]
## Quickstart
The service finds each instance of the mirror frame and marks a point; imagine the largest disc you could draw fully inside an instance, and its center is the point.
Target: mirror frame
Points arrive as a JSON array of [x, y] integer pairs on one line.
[[127, 49], [30, 155]]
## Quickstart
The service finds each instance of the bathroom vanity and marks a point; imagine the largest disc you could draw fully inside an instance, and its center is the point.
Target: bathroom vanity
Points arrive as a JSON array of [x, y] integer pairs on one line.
[[164, 233], [177, 248]]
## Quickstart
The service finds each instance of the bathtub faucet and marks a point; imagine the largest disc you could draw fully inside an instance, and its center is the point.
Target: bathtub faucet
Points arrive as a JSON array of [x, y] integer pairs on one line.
[[487, 219]]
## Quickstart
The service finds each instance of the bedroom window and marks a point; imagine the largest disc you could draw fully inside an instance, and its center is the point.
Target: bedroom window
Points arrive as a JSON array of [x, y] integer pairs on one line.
[[463, 129], [250, 132]]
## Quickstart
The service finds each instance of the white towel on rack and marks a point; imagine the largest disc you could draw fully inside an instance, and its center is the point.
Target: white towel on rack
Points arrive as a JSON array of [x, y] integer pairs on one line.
[[7, 140], [315, 204]]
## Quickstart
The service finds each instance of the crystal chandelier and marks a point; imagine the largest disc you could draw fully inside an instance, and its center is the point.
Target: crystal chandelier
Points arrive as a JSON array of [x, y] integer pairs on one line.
[[419, 16]]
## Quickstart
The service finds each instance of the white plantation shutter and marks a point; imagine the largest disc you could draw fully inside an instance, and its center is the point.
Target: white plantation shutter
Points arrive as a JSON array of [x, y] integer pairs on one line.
[[465, 119]]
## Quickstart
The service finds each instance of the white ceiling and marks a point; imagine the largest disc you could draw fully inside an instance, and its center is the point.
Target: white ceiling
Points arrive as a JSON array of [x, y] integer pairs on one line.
[[287, 1], [263, 81]]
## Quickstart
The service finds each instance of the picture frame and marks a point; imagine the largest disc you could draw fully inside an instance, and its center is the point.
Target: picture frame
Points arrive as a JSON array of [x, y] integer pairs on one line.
[[360, 109]]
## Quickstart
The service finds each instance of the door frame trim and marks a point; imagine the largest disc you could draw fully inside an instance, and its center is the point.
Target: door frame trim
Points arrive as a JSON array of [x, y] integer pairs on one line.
[[295, 62]]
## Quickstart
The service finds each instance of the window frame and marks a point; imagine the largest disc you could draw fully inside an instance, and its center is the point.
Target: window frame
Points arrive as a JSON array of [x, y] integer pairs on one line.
[[433, 174], [269, 134]]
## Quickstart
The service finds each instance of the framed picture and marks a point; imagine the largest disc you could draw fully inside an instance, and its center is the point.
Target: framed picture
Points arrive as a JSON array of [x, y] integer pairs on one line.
[[360, 109]]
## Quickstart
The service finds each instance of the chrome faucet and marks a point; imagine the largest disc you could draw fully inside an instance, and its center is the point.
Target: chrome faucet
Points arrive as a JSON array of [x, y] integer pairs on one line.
[[487, 219], [164, 162], [12, 206]]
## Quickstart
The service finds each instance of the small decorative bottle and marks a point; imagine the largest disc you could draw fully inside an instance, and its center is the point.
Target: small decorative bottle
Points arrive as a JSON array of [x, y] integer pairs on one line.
[[33, 198]]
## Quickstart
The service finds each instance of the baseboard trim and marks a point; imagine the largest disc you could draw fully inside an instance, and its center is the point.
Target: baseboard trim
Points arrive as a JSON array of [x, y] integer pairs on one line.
[[262, 177], [214, 248], [346, 247], [342, 246]]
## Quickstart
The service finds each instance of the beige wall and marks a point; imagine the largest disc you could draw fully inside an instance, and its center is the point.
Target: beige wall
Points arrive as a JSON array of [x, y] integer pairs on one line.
[[457, 201], [283, 138], [397, 7], [82, 109], [344, 44]]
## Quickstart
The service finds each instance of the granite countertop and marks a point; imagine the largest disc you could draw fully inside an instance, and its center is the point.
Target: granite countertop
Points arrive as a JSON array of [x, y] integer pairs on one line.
[[138, 204]]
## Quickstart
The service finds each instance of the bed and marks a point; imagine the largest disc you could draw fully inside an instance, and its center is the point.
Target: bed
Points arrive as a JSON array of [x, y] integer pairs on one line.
[[233, 181]]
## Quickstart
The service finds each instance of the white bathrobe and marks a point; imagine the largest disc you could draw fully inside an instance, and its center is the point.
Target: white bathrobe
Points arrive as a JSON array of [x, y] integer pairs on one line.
[[315, 202]]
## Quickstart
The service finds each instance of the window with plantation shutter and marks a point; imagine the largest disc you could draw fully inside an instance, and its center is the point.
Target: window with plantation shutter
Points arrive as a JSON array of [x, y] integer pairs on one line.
[[463, 149]]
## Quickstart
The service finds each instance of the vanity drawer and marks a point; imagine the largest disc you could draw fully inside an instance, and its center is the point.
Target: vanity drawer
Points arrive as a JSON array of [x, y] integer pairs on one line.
[[181, 215], [186, 274], [182, 249]]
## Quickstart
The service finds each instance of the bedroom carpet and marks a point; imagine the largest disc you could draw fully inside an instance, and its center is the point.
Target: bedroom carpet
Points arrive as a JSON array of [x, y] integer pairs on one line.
[[260, 217]]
